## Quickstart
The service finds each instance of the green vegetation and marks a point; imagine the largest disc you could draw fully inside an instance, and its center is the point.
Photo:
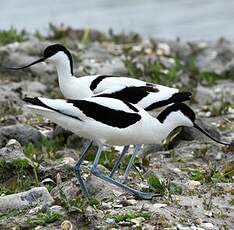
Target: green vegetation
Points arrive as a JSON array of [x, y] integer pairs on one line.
[[12, 35], [131, 215], [24, 176], [175, 189], [44, 219], [79, 204], [18, 164], [210, 78], [50, 146], [197, 174], [156, 71], [47, 150], [9, 214], [107, 158], [122, 38], [212, 175], [9, 109], [156, 185], [231, 202], [36, 120]]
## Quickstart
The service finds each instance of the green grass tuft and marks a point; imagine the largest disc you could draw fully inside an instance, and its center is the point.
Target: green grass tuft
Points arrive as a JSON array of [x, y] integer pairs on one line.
[[156, 185], [131, 215], [11, 35], [43, 219], [9, 214]]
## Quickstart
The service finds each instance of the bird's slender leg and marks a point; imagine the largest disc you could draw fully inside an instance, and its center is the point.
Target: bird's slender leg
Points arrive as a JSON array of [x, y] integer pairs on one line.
[[124, 151], [98, 154], [136, 150], [95, 171], [77, 168]]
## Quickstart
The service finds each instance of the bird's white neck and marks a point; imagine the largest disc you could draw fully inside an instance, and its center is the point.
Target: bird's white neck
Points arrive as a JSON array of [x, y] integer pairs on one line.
[[172, 121], [65, 77], [64, 71], [63, 65]]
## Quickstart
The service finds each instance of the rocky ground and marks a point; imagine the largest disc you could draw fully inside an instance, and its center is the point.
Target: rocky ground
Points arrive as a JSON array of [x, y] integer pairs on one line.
[[192, 176]]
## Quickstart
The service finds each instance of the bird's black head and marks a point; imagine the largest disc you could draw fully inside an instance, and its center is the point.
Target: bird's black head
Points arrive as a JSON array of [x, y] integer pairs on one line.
[[189, 113], [49, 52], [54, 49]]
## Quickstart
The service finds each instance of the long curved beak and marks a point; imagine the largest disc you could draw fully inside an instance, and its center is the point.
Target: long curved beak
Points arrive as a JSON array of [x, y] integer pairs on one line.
[[23, 67], [212, 138]]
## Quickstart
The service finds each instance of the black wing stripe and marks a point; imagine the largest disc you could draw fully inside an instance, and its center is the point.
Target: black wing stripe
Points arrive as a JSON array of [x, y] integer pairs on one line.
[[36, 101], [105, 115], [130, 106], [132, 94], [97, 80], [175, 98]]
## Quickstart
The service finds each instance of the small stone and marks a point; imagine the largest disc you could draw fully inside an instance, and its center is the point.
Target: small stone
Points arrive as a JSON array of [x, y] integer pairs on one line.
[[192, 184], [209, 226], [47, 181], [58, 179], [69, 161], [219, 156], [131, 202], [148, 227], [14, 148], [198, 221], [181, 227], [117, 206], [34, 197], [24, 134], [177, 170], [193, 227], [138, 220], [110, 221], [35, 210], [106, 205], [13, 142], [70, 188], [127, 202], [101, 189], [66, 225], [158, 205], [208, 213], [57, 209]]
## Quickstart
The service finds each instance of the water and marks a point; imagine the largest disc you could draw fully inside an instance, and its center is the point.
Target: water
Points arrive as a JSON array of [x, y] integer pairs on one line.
[[187, 19]]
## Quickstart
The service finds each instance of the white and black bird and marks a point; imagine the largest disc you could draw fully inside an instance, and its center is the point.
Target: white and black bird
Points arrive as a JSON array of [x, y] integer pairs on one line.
[[111, 121], [149, 96]]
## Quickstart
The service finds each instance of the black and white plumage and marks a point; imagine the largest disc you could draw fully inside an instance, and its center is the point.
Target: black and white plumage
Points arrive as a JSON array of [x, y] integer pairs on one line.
[[95, 119], [146, 95]]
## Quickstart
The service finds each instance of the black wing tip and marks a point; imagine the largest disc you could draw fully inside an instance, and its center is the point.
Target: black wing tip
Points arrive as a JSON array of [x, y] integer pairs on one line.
[[181, 96], [35, 101], [31, 100]]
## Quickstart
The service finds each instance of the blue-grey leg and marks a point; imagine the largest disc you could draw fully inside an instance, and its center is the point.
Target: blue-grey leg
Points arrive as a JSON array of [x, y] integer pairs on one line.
[[125, 150], [77, 168], [131, 162], [95, 171]]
